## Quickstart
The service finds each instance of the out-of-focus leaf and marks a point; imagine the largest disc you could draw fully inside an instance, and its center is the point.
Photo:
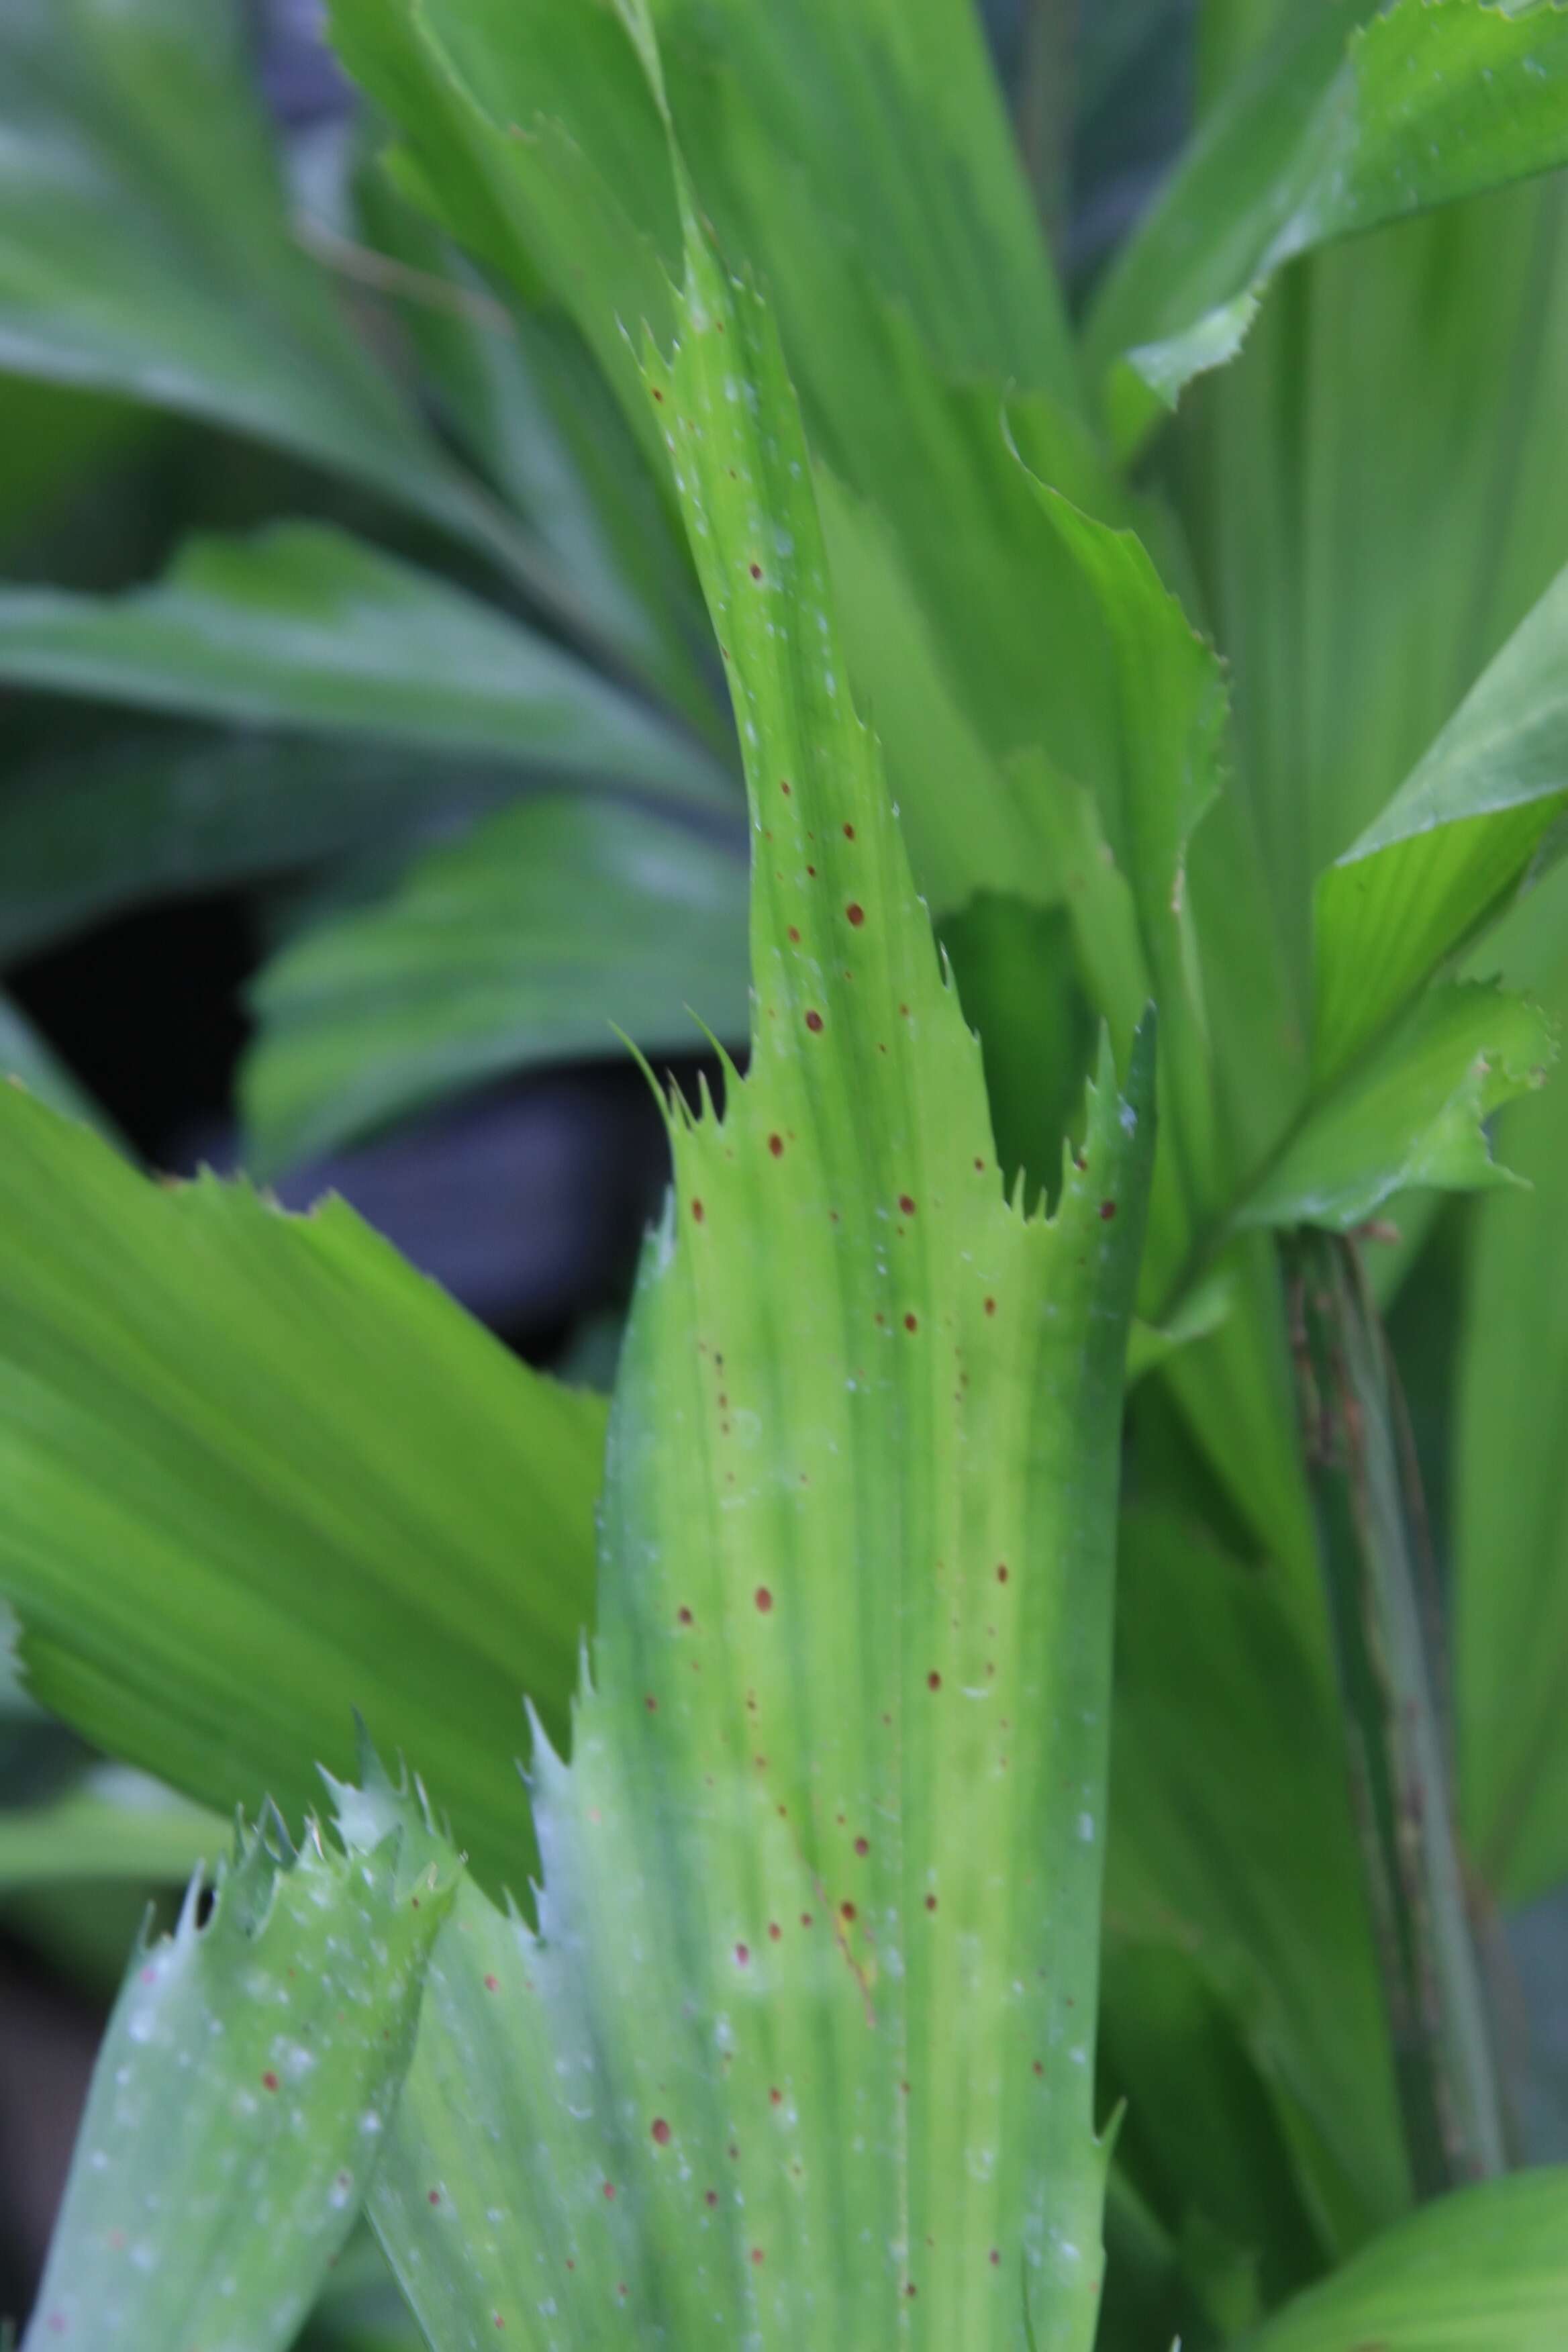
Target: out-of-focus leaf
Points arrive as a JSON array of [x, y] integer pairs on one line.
[[113, 1825], [820, 1882], [1202, 2138], [144, 248], [1485, 2270], [1432, 100], [1452, 844], [524, 942], [255, 1473], [241, 2097], [1374, 504], [1511, 1492], [519, 386], [52, 440], [1239, 1847], [156, 809], [1411, 1112], [31, 1061], [303, 627]]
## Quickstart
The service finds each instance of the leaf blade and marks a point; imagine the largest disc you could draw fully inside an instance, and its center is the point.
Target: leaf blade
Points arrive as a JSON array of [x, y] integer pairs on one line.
[[238, 2106], [257, 1470]]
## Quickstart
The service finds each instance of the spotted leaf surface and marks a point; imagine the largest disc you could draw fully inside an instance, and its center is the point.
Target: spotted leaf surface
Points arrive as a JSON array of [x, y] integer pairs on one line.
[[242, 2098], [802, 2049]]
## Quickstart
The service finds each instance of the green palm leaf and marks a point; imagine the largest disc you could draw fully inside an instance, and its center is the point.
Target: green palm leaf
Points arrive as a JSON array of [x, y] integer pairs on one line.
[[802, 2040]]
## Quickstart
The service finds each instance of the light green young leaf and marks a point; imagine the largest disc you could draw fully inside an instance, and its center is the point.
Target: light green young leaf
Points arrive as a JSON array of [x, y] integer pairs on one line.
[[1485, 2270], [255, 1472], [144, 248], [113, 1825], [303, 627], [1432, 100], [803, 2042], [1411, 1111], [523, 942], [1510, 1495], [242, 2097], [1451, 846]]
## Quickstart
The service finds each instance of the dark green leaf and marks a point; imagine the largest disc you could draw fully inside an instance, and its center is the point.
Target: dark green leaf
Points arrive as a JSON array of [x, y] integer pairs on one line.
[[522, 943], [303, 627], [144, 248]]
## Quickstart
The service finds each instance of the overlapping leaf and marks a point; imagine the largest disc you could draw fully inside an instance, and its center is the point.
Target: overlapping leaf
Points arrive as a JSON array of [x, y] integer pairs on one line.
[[522, 943], [113, 1825], [305, 628], [144, 249], [1482, 2270], [257, 1473], [804, 2038], [1431, 100], [242, 2097]]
